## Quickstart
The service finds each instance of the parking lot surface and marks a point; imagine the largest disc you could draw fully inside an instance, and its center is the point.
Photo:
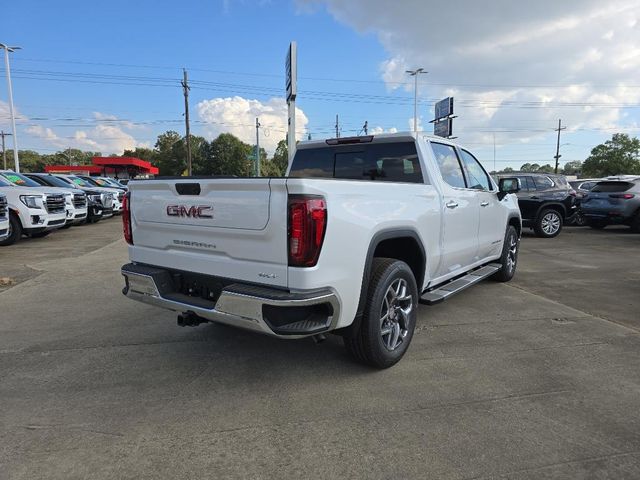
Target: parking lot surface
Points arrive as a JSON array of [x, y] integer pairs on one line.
[[537, 378]]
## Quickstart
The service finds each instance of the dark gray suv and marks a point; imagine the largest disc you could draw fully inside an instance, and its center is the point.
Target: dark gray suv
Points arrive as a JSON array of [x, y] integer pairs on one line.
[[612, 202]]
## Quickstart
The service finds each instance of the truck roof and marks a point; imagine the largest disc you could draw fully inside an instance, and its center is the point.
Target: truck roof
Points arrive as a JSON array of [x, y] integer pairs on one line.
[[378, 138]]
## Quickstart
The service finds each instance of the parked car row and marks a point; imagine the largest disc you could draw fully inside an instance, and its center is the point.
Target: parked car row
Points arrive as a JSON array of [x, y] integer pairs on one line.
[[35, 204], [548, 202]]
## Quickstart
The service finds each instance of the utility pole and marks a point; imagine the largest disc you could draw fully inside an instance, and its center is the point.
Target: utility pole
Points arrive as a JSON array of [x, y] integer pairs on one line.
[[8, 49], [494, 151], [557, 157], [4, 152], [186, 88], [257, 147], [414, 74], [337, 127], [69, 154]]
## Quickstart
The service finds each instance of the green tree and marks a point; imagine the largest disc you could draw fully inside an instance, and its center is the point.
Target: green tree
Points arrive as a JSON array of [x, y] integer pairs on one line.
[[165, 149], [281, 158], [142, 153], [545, 169], [620, 155], [228, 155], [572, 168]]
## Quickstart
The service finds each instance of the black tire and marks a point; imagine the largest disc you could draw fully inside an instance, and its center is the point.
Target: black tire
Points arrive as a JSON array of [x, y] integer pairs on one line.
[[548, 224], [369, 345], [597, 224], [15, 230], [580, 220], [635, 223], [509, 257]]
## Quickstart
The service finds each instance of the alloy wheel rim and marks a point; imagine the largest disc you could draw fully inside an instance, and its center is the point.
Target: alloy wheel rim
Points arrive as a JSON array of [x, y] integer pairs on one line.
[[512, 254], [550, 223], [395, 314]]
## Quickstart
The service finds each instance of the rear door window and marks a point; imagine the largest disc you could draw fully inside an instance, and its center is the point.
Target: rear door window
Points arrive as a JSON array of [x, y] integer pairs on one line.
[[449, 164], [526, 184], [543, 183], [478, 178]]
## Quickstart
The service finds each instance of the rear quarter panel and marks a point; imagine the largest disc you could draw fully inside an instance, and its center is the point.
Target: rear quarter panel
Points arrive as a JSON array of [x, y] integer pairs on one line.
[[356, 212]]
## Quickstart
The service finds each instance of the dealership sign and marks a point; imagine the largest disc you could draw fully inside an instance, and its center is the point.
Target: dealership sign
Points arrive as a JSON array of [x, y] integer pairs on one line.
[[443, 121]]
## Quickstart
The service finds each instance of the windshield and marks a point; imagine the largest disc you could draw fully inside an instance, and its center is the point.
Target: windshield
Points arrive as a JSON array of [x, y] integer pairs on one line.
[[91, 182], [612, 187], [80, 182], [54, 181], [20, 180], [101, 182], [4, 183], [113, 182]]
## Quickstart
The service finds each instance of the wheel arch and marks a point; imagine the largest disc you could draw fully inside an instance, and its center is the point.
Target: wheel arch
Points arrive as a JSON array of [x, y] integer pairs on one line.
[[401, 244], [516, 221], [559, 207]]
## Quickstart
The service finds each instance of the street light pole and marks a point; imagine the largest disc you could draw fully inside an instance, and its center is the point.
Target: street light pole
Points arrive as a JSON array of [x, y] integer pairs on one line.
[[8, 49], [414, 74]]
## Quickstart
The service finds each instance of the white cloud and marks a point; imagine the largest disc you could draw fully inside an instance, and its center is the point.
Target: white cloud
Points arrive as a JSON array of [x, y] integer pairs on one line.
[[43, 133], [237, 115], [105, 138], [378, 130], [5, 115], [509, 64]]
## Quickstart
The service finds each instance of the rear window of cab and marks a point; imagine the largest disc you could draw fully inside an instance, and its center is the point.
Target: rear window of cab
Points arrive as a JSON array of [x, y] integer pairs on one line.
[[382, 162]]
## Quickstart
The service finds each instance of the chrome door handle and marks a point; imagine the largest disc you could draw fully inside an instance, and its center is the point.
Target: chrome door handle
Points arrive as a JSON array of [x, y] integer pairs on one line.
[[484, 204], [452, 204]]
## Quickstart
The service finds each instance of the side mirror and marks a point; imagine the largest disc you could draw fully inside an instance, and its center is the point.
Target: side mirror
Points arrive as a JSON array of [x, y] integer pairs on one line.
[[508, 185]]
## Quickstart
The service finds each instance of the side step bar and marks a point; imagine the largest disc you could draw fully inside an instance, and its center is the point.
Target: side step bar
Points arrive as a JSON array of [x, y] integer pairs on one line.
[[444, 291]]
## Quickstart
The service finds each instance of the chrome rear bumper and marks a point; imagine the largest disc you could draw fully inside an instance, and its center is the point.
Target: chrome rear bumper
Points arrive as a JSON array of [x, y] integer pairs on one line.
[[239, 305]]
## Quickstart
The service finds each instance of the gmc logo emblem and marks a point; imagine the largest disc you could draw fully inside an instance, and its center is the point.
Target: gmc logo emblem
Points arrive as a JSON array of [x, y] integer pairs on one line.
[[194, 211]]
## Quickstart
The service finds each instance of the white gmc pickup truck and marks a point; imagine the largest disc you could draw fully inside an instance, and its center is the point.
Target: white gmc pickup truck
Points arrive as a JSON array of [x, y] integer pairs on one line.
[[360, 231]]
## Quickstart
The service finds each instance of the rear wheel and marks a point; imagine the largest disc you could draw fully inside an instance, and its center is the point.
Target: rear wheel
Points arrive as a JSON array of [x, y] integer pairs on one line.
[[15, 230], [579, 220], [509, 258], [390, 315], [635, 223], [548, 224], [597, 224]]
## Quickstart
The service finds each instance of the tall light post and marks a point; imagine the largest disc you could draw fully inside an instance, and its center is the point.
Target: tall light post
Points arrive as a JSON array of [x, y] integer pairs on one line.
[[414, 74], [8, 49]]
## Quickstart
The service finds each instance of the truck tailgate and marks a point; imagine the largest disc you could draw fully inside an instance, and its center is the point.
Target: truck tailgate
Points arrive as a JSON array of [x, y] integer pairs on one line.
[[233, 228]]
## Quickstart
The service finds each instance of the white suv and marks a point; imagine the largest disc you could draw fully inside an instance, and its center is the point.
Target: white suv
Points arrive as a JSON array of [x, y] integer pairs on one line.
[[32, 211], [75, 199], [4, 217]]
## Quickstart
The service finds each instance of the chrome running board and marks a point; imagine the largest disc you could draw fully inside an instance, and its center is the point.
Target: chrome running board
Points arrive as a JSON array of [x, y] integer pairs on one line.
[[444, 291]]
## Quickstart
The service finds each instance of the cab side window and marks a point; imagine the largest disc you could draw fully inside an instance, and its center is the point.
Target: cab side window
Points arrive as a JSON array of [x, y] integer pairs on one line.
[[478, 178], [449, 164]]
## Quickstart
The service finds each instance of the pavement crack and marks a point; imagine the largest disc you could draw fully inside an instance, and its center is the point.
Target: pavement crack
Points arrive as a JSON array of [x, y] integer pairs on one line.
[[593, 315], [557, 464]]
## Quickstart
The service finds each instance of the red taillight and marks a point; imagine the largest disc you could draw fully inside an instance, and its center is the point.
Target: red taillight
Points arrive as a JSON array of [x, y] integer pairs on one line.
[[572, 193], [126, 219], [626, 196], [307, 224]]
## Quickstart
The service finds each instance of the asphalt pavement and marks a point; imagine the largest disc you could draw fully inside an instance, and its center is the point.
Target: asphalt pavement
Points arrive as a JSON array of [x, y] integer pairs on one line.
[[538, 378]]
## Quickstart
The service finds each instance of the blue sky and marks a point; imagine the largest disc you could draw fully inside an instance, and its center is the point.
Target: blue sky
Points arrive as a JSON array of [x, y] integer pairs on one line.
[[105, 75]]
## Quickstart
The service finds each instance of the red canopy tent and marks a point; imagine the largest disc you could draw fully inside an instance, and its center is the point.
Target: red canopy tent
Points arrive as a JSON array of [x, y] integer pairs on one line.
[[113, 166]]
